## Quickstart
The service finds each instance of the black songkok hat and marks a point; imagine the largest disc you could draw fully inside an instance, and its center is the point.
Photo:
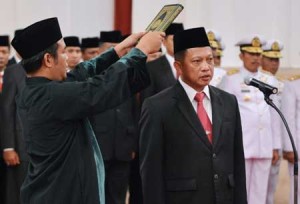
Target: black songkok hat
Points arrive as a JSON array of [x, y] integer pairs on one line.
[[174, 28], [125, 36], [72, 41], [4, 40], [37, 37], [195, 37], [114, 36], [89, 42]]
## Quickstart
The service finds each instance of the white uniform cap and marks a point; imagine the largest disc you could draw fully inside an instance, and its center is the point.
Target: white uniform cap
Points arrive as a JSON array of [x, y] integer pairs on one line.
[[220, 48], [272, 49], [251, 44], [213, 37], [221, 45]]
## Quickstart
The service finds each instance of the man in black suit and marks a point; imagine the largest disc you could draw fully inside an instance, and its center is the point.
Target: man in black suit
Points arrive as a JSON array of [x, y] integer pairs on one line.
[[163, 75], [162, 71], [192, 152], [16, 58], [4, 56], [12, 142]]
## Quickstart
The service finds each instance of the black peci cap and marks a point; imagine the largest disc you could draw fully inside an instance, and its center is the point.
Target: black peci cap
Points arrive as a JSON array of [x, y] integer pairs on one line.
[[37, 37], [114, 36], [195, 37], [72, 41], [174, 28], [90, 42], [4, 40]]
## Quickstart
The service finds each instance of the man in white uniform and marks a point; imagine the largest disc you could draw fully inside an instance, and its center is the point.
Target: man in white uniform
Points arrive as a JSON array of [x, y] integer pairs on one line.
[[291, 112], [270, 64], [215, 43], [258, 131]]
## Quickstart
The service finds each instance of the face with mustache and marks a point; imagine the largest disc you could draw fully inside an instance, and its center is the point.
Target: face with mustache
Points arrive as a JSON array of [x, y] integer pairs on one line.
[[270, 64], [196, 68], [251, 61]]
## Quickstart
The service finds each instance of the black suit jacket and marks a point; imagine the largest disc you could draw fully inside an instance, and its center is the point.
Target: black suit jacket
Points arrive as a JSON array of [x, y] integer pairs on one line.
[[178, 164], [116, 131], [13, 83], [161, 77]]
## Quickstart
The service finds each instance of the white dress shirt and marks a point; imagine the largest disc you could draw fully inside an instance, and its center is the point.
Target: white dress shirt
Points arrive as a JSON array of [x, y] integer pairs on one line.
[[191, 93], [171, 62]]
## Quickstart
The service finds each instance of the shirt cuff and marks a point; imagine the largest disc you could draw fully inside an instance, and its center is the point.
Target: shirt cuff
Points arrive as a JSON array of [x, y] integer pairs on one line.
[[8, 149]]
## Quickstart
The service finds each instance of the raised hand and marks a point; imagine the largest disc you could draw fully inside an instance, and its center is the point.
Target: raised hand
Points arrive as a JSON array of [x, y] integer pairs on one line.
[[123, 47], [151, 42]]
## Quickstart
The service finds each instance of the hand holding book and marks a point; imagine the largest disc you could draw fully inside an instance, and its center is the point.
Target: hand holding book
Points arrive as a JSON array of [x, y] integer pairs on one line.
[[165, 17]]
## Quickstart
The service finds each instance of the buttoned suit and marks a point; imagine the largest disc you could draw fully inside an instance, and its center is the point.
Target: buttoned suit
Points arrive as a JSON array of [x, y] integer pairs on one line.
[[14, 82], [178, 163]]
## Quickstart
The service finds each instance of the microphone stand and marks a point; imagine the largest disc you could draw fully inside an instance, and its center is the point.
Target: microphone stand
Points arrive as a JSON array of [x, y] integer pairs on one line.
[[270, 102]]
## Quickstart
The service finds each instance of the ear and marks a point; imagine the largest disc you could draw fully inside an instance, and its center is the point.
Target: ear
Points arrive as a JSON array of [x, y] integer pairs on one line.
[[178, 67], [164, 42], [48, 60], [241, 56]]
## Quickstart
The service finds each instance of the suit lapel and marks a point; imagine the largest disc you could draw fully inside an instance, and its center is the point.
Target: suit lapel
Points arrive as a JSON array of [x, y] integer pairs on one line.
[[217, 114], [185, 107]]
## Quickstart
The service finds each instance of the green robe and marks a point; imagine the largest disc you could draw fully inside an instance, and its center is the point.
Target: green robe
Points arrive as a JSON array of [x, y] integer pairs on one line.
[[57, 134]]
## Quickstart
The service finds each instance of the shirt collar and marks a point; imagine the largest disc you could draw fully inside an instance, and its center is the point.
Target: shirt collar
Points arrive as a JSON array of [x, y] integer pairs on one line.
[[246, 73], [191, 93], [170, 59]]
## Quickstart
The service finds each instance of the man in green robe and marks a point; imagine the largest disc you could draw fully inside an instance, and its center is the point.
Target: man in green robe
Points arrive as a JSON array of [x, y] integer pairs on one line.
[[66, 165]]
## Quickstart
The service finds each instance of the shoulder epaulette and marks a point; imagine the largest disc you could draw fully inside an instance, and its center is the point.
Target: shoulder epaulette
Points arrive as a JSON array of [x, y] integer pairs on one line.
[[295, 77], [280, 78], [265, 72], [233, 71]]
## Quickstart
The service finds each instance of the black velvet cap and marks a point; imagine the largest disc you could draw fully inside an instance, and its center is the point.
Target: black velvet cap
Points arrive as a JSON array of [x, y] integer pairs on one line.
[[37, 37], [90, 42], [174, 28], [125, 36], [72, 41], [195, 37], [114, 36], [4, 40]]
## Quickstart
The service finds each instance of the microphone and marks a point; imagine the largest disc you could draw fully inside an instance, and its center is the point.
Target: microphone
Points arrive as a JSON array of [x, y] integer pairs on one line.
[[263, 87]]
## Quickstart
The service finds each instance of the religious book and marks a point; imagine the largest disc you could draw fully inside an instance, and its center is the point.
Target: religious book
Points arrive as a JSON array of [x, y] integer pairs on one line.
[[165, 17]]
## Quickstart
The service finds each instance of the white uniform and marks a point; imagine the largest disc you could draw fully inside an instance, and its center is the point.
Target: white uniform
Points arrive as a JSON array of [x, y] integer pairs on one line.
[[219, 74], [291, 111], [277, 122], [260, 135]]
